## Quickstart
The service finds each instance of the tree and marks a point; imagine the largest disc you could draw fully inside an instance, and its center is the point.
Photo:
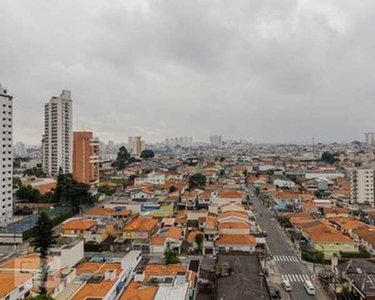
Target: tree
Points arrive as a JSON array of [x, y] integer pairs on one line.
[[34, 171], [328, 157], [27, 192], [70, 191], [197, 180], [122, 159], [172, 189], [147, 154], [199, 240], [105, 189], [17, 183], [42, 239], [42, 297], [171, 257], [257, 191], [46, 198]]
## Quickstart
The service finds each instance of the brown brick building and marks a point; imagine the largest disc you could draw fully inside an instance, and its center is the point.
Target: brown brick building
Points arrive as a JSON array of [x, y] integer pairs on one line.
[[86, 158]]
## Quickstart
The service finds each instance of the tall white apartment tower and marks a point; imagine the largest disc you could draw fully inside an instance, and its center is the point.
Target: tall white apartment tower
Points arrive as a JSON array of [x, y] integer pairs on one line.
[[362, 186], [57, 142], [6, 158]]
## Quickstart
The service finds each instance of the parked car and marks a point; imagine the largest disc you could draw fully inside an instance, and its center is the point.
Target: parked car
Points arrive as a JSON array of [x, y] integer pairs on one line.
[[275, 295]]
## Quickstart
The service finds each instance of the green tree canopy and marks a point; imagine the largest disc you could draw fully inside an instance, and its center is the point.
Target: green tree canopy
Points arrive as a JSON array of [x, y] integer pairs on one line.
[[147, 154], [171, 257], [27, 192], [197, 180], [328, 157], [34, 171], [122, 159], [70, 191], [199, 240]]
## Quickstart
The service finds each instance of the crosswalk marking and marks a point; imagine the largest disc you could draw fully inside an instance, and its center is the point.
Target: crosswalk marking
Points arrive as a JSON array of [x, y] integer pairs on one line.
[[286, 258], [295, 277]]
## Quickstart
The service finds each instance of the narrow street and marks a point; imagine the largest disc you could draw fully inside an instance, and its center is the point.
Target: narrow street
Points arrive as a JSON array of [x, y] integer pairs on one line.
[[283, 253]]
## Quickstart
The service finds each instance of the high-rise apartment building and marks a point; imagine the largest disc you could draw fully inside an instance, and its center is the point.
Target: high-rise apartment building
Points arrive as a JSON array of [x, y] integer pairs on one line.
[[216, 140], [130, 143], [20, 149], [6, 166], [138, 146], [57, 142], [362, 186], [370, 138], [86, 158]]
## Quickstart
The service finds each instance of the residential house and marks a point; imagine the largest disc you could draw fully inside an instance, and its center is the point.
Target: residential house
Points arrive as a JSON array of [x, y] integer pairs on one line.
[[228, 197], [15, 286], [365, 236], [323, 237], [281, 181], [231, 242], [167, 238], [139, 228], [158, 281], [85, 228]]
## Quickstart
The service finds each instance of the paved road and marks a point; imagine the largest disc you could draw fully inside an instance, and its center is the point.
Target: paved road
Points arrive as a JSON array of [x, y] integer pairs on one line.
[[283, 253]]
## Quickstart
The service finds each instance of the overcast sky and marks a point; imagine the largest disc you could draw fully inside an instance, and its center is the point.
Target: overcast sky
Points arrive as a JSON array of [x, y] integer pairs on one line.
[[267, 70]]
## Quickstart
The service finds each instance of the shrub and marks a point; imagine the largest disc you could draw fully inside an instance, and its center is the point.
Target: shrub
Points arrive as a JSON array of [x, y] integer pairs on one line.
[[362, 254], [313, 256]]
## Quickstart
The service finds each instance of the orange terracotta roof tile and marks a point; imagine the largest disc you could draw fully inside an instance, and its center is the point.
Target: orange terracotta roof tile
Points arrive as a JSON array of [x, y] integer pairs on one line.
[[326, 234], [97, 267], [94, 290], [100, 211], [158, 240], [231, 194], [141, 224], [211, 221], [163, 270], [298, 215], [25, 262], [11, 281], [78, 224], [139, 291], [298, 222], [235, 239]]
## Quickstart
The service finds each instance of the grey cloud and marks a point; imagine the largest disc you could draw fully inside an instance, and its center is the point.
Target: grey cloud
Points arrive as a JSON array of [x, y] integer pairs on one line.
[[271, 70]]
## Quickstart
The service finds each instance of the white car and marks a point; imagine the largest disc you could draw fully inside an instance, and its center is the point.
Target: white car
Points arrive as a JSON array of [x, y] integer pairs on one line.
[[286, 285], [309, 288]]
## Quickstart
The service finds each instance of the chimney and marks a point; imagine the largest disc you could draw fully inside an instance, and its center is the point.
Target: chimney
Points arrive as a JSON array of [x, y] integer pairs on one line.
[[139, 276]]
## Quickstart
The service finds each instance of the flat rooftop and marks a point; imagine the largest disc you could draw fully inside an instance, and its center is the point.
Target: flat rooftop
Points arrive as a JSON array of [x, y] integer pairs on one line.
[[244, 281]]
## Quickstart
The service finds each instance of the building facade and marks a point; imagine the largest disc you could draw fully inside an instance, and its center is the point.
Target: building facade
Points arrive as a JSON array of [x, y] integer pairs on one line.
[[216, 140], [86, 158], [362, 186], [6, 167], [20, 149], [138, 146], [57, 142]]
